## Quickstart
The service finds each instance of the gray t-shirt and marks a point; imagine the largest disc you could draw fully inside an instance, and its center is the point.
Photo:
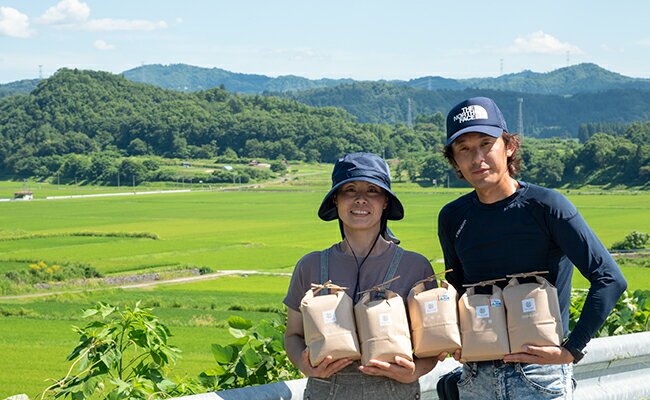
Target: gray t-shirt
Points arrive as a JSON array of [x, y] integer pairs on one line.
[[343, 272]]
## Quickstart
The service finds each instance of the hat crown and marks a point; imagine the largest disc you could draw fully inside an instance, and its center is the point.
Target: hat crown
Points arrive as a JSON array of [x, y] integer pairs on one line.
[[477, 114], [357, 165]]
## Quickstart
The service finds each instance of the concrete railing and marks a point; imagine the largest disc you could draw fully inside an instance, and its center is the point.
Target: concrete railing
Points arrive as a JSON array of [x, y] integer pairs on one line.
[[616, 368]]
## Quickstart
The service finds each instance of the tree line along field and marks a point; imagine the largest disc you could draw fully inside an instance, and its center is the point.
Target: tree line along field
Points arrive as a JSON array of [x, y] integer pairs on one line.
[[265, 230]]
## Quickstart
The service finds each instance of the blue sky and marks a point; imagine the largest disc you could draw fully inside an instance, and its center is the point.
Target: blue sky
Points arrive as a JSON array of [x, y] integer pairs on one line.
[[315, 39]]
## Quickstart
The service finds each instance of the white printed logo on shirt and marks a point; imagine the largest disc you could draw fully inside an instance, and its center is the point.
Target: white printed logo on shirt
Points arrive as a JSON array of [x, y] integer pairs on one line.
[[385, 320], [329, 316], [528, 305], [431, 307], [482, 312]]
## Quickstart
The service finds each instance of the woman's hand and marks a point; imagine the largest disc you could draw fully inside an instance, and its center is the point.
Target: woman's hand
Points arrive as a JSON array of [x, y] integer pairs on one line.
[[325, 369], [402, 370]]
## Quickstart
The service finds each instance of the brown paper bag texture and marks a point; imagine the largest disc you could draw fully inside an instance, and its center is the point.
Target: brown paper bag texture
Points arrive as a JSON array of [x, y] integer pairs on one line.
[[434, 319], [383, 328], [483, 325], [328, 322], [533, 314]]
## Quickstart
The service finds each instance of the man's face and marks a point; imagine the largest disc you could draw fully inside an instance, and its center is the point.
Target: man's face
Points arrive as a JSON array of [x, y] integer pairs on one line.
[[482, 159]]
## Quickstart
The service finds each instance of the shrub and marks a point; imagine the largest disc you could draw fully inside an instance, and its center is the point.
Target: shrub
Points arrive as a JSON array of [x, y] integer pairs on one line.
[[256, 357], [630, 314], [122, 354], [40, 272], [634, 240]]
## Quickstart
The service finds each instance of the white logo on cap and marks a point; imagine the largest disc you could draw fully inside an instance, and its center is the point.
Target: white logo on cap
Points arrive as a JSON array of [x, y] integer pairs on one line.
[[471, 113]]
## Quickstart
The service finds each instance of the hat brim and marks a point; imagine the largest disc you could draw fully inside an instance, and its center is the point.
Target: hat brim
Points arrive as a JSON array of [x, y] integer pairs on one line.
[[328, 211], [494, 131]]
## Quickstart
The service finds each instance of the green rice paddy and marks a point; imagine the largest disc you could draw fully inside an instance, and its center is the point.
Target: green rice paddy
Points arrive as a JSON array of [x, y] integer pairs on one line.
[[264, 230]]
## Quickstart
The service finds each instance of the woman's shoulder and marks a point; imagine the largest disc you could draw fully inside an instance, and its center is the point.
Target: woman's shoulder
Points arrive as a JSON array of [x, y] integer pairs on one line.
[[416, 259], [313, 258]]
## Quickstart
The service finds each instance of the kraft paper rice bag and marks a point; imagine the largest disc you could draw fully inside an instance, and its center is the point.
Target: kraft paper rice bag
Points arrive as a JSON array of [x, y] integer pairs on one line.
[[383, 327], [328, 322], [533, 313], [434, 319], [483, 325]]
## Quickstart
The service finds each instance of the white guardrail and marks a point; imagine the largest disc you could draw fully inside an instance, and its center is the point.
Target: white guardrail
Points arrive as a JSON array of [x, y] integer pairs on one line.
[[615, 368]]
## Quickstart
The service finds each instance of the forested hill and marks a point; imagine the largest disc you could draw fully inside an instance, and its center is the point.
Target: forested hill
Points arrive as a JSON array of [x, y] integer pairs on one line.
[[578, 78], [188, 78], [564, 81], [18, 87], [84, 112], [543, 115]]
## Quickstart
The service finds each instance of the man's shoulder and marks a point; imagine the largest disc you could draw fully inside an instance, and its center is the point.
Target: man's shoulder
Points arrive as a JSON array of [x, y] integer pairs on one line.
[[552, 201], [457, 206]]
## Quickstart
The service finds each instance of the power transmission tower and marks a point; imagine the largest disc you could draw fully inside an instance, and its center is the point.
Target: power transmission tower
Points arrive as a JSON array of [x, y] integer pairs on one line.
[[409, 116], [520, 116], [40, 72], [501, 69]]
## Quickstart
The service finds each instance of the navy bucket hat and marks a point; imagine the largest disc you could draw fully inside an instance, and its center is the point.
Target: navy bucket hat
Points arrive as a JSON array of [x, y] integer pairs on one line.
[[478, 114], [366, 167]]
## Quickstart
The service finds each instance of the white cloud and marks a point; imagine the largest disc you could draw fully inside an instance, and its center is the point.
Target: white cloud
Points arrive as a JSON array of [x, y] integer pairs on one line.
[[643, 42], [541, 43], [102, 45], [14, 23], [73, 14], [108, 24], [65, 12]]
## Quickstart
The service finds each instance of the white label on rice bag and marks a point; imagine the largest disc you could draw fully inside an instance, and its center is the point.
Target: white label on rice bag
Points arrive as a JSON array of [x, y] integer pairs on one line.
[[482, 312], [528, 305], [431, 307], [385, 320], [329, 316]]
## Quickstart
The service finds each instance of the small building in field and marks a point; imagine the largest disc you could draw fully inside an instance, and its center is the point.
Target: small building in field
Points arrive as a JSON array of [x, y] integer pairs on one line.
[[227, 168], [23, 195]]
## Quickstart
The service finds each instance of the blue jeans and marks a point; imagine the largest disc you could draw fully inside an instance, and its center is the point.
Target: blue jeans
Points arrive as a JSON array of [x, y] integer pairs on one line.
[[497, 380]]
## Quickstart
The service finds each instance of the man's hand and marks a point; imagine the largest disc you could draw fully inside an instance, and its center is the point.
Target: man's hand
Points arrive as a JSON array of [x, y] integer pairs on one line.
[[541, 355], [325, 369]]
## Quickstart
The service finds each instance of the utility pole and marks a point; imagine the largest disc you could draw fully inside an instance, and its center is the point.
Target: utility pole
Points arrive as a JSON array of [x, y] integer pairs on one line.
[[501, 68], [520, 117]]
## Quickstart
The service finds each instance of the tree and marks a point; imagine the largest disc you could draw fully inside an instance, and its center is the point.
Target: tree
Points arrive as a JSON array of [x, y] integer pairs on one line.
[[137, 147], [435, 167]]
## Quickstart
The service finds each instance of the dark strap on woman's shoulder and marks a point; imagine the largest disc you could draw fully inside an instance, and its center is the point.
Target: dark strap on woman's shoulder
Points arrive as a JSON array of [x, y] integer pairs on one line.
[[392, 268], [324, 269]]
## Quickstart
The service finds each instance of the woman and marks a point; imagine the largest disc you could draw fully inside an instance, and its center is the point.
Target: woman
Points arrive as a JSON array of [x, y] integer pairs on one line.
[[362, 201]]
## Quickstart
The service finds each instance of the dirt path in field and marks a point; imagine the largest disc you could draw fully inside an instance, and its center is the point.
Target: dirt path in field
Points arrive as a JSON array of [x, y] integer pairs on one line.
[[173, 281], [173, 191]]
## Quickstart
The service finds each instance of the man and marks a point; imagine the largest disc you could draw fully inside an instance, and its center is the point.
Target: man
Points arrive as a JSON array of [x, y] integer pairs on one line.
[[505, 227]]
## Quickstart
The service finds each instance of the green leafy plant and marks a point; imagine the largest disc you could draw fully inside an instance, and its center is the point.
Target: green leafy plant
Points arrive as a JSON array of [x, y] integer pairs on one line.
[[256, 357], [633, 240], [122, 354], [630, 314]]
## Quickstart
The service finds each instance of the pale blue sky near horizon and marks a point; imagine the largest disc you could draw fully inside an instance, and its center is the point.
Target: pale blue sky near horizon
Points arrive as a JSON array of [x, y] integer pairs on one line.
[[364, 40]]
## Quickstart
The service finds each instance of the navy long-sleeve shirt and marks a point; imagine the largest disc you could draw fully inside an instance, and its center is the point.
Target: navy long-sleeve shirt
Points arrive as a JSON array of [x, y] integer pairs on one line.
[[534, 229]]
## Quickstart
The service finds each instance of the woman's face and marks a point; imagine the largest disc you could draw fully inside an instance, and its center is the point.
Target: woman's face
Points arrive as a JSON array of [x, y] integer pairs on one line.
[[360, 205]]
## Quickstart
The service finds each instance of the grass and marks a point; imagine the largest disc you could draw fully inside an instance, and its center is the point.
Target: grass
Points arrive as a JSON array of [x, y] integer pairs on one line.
[[267, 230], [35, 346]]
